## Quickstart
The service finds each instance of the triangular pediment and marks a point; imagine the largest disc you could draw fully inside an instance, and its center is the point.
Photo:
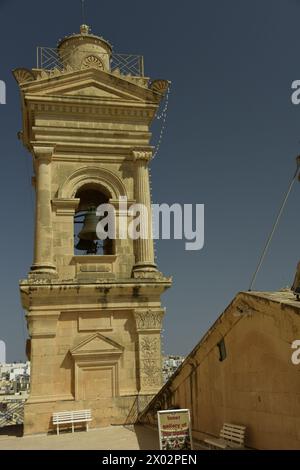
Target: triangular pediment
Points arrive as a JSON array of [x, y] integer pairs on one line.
[[96, 344], [91, 90], [89, 83]]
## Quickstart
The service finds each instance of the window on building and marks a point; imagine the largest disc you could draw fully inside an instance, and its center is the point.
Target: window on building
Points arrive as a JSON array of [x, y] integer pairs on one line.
[[222, 350]]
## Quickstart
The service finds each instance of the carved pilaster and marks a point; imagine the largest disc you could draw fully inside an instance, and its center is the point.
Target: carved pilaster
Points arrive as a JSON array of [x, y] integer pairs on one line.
[[148, 326]]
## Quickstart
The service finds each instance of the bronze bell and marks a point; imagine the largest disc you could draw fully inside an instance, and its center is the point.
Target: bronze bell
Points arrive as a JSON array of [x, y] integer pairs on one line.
[[87, 245], [88, 231]]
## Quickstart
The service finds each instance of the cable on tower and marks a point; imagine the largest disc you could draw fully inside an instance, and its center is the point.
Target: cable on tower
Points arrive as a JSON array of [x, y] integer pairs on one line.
[[270, 237]]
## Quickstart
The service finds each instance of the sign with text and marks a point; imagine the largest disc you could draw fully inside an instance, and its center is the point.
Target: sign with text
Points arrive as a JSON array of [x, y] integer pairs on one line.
[[174, 427]]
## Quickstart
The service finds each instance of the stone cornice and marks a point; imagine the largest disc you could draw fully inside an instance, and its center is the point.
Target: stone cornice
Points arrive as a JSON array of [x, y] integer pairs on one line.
[[55, 81], [34, 292], [76, 105]]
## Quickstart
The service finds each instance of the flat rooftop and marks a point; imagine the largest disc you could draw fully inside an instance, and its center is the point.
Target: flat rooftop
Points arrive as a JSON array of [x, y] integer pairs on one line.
[[109, 438]]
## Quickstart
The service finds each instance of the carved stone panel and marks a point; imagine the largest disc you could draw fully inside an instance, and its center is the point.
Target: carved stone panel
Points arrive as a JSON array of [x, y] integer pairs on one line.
[[150, 362], [149, 319]]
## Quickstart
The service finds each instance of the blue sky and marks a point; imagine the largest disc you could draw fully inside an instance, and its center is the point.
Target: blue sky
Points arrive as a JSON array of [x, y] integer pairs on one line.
[[232, 135]]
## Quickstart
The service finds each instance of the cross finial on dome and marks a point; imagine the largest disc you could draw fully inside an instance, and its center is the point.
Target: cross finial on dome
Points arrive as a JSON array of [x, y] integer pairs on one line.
[[84, 29]]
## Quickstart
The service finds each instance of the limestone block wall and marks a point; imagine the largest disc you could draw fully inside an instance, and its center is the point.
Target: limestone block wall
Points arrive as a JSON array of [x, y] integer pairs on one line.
[[91, 362], [256, 384], [55, 366], [93, 346]]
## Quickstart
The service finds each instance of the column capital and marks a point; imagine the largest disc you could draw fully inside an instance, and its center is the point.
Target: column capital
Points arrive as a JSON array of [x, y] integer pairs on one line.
[[149, 319], [43, 152], [144, 155]]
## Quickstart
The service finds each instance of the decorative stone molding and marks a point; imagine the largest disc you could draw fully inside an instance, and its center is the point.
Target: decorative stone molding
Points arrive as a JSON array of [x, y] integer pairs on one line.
[[149, 319], [43, 153], [99, 355], [92, 61], [160, 86], [100, 111], [89, 174], [151, 373], [148, 325], [96, 346], [65, 206], [144, 272], [142, 155], [23, 75], [150, 362]]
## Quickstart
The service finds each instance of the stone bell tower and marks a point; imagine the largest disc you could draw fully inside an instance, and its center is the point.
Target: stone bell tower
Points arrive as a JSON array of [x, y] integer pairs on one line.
[[94, 318]]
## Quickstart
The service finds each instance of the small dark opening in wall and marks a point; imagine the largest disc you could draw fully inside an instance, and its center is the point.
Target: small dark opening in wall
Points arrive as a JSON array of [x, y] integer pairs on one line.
[[222, 350]]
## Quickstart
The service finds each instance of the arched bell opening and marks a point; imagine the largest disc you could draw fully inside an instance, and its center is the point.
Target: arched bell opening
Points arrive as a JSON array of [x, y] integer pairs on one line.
[[86, 240]]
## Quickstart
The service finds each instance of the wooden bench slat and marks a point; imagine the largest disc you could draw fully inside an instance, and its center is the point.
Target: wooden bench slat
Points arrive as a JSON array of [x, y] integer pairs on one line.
[[234, 426], [74, 420], [233, 431], [72, 412], [231, 435]]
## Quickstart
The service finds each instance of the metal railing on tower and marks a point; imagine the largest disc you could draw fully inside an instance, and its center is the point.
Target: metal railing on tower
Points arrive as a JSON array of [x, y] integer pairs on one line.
[[127, 64]]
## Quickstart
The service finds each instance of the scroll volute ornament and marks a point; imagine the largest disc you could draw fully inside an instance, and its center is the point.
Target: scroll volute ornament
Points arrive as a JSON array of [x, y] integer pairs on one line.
[[160, 86], [23, 76]]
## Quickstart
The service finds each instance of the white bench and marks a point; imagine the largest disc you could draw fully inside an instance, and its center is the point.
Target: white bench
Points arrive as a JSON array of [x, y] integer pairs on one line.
[[231, 435], [72, 417]]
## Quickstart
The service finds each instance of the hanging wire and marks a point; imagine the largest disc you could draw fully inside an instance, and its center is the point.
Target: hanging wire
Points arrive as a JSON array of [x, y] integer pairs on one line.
[[159, 116], [162, 116], [269, 239]]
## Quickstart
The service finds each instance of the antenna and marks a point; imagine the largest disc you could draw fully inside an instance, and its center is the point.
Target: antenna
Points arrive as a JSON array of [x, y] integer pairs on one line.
[[83, 11]]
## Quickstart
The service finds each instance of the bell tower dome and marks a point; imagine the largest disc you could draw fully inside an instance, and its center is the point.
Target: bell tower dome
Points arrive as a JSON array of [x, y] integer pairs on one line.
[[80, 51]]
